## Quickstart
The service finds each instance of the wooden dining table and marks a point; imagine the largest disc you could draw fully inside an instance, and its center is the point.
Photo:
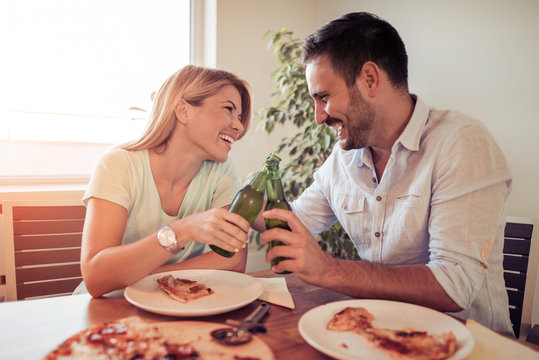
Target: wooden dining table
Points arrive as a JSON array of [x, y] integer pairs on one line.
[[30, 329]]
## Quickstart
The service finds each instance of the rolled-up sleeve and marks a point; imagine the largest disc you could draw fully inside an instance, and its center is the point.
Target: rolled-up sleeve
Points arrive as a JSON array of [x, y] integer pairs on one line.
[[467, 213]]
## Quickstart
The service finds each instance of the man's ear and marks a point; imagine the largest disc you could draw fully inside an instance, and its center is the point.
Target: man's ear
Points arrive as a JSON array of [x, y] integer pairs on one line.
[[369, 78], [181, 112]]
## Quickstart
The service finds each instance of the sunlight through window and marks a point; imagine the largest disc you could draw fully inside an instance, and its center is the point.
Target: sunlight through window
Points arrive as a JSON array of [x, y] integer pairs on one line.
[[74, 68]]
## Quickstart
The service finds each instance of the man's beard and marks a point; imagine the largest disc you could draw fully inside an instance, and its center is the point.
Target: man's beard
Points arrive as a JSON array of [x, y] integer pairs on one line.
[[360, 115]]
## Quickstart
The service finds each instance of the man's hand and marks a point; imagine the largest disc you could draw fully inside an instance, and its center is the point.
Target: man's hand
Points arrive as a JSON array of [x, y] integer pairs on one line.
[[305, 257]]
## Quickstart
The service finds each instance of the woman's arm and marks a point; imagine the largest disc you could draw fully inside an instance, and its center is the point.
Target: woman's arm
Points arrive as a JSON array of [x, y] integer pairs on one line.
[[107, 265], [210, 260]]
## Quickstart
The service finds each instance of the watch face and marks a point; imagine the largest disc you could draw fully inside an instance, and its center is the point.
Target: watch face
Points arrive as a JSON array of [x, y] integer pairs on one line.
[[167, 237]]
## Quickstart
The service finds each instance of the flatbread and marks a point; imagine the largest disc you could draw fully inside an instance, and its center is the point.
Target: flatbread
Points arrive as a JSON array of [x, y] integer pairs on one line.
[[133, 338], [183, 290], [405, 344]]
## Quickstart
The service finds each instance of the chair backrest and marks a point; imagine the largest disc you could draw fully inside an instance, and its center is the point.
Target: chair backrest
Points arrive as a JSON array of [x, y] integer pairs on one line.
[[521, 263], [47, 243]]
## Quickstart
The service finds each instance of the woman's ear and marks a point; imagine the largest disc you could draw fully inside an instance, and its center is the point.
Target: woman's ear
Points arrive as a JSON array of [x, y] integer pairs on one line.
[[181, 112]]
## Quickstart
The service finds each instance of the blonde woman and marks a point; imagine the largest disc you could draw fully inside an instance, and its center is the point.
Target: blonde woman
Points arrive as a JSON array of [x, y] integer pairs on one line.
[[155, 203]]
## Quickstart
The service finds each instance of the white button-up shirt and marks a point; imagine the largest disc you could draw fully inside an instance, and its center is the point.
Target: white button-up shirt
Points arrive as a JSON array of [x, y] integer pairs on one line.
[[440, 202]]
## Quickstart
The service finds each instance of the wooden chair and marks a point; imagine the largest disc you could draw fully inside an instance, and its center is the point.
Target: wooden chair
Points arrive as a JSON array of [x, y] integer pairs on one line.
[[46, 244], [521, 264]]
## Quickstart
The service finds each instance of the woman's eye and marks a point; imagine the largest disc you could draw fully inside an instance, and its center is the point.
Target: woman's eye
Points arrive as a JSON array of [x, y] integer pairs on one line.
[[229, 108]]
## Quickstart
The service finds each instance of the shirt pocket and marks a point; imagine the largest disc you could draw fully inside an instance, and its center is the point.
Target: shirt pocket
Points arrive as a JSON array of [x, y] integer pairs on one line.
[[409, 225], [351, 212]]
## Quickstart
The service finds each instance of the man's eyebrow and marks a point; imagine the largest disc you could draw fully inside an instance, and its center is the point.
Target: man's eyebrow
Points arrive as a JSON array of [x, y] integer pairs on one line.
[[319, 94]]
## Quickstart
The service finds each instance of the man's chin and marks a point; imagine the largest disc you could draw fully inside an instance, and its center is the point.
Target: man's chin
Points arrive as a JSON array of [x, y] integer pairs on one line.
[[349, 145], [345, 145]]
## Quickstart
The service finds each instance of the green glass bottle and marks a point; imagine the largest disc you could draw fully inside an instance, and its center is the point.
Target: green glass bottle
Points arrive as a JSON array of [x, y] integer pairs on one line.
[[247, 203], [276, 199]]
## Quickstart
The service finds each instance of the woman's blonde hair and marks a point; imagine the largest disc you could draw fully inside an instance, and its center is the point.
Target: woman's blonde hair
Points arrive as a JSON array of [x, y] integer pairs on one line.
[[193, 84]]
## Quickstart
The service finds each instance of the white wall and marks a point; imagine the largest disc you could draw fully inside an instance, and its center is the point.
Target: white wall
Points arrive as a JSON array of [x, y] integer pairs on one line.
[[479, 57]]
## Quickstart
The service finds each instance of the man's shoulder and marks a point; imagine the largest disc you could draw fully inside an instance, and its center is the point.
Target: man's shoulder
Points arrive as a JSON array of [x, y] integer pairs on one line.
[[447, 120]]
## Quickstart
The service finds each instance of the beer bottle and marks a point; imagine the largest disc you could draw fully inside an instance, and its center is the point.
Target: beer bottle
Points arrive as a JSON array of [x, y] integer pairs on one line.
[[276, 199], [247, 203]]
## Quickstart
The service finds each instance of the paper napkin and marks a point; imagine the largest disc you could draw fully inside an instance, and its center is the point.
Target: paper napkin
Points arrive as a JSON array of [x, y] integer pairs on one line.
[[276, 292], [491, 345]]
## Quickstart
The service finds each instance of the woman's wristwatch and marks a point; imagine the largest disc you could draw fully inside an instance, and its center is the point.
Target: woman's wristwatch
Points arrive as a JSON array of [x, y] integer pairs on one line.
[[167, 239]]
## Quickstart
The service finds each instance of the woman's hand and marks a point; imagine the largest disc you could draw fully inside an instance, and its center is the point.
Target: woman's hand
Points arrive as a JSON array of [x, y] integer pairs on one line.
[[218, 226]]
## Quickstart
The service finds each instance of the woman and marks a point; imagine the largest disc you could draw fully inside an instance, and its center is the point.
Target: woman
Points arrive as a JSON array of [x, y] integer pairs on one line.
[[160, 199]]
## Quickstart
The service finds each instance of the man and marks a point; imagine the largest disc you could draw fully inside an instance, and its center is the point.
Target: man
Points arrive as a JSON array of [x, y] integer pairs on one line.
[[420, 191]]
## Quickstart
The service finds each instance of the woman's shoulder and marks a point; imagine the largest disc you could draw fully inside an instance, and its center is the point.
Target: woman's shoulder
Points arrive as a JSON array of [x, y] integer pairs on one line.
[[119, 156]]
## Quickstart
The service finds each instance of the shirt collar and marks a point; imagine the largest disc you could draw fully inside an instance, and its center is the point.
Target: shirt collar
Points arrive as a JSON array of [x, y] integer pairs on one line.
[[411, 135]]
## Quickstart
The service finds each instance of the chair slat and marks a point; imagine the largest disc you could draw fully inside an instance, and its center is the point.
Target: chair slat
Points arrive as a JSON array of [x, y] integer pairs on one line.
[[47, 272], [516, 297], [515, 263], [47, 227], [517, 246], [48, 212], [517, 230], [515, 281], [47, 241], [46, 257], [47, 288]]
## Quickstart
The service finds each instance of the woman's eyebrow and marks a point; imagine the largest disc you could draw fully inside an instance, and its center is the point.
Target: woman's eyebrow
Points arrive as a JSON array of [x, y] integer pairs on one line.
[[232, 103]]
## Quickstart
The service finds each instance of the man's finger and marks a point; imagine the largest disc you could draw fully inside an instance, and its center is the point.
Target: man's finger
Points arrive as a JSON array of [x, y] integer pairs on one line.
[[285, 215]]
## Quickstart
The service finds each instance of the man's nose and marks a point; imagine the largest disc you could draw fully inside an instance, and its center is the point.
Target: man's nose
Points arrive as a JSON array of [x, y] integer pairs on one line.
[[320, 115]]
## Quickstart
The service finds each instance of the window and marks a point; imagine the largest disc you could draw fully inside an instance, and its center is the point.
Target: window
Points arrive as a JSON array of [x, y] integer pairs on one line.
[[74, 68]]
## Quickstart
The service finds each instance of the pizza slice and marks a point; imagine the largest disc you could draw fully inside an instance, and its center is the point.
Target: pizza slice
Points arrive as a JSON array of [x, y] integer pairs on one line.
[[411, 344], [129, 338], [351, 319], [183, 290], [405, 344]]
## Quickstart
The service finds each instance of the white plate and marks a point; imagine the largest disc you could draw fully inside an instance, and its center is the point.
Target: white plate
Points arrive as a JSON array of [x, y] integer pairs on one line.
[[387, 314], [232, 291]]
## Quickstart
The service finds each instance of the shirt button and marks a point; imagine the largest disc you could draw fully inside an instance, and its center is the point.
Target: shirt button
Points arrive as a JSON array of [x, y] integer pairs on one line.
[[378, 198], [374, 180], [377, 234]]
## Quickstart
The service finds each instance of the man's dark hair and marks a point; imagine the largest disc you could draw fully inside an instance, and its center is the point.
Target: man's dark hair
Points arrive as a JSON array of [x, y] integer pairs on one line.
[[356, 38]]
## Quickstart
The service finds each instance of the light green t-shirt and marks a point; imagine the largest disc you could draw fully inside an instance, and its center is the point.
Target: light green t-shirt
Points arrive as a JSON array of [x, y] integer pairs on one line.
[[125, 178]]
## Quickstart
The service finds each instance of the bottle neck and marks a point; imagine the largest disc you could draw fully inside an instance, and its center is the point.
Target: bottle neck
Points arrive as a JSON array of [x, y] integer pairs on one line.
[[259, 181], [275, 186]]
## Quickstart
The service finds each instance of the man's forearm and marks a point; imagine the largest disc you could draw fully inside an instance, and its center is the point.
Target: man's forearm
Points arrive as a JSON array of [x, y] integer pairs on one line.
[[408, 283]]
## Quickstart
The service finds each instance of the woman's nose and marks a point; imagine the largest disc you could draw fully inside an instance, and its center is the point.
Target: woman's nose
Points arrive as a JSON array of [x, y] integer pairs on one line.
[[237, 125]]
